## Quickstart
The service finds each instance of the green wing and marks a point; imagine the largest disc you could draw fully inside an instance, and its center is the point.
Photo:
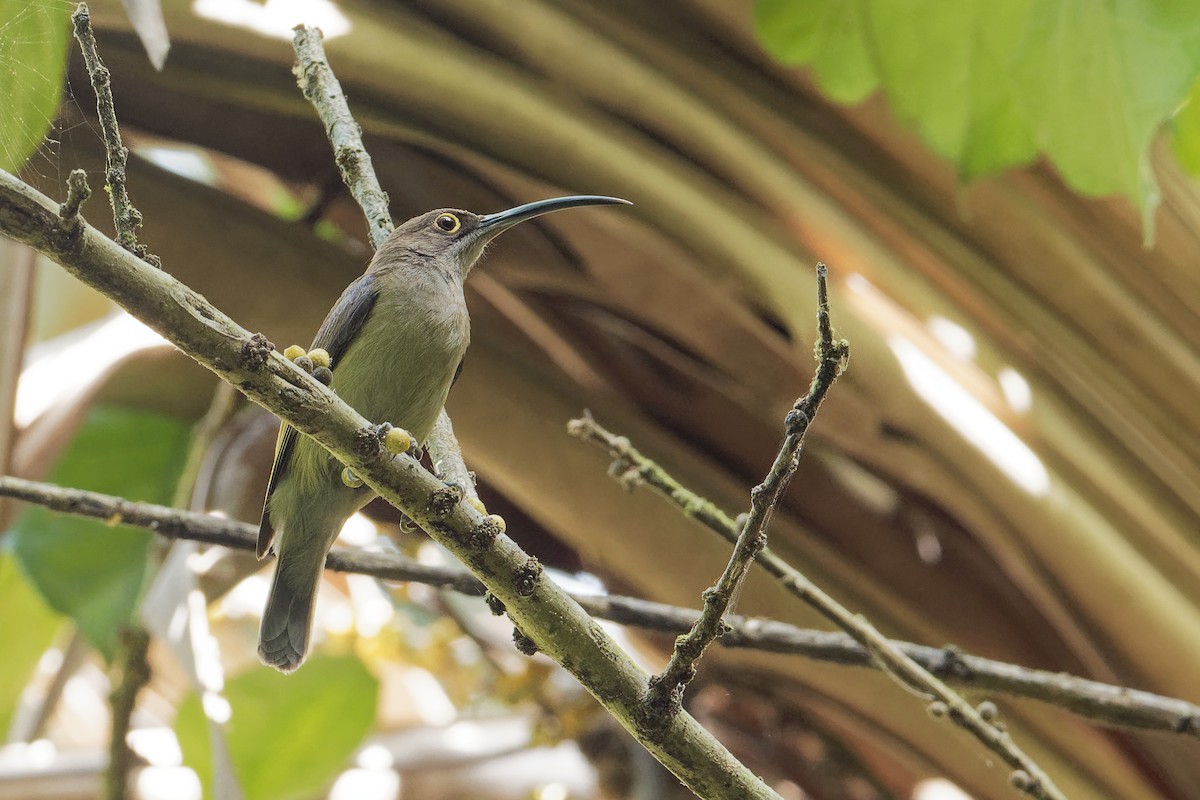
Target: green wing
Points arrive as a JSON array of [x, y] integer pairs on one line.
[[339, 329]]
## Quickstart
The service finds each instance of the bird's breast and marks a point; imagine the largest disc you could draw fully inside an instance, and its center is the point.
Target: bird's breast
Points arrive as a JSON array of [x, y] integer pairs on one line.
[[400, 367]]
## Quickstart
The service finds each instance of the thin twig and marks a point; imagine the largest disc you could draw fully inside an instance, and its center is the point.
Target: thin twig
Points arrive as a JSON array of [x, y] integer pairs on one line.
[[320, 86], [666, 690], [134, 674], [126, 218], [631, 467], [1101, 702], [78, 191]]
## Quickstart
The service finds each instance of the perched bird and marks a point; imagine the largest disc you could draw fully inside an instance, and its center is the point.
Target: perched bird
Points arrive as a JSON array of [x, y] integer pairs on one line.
[[395, 339]]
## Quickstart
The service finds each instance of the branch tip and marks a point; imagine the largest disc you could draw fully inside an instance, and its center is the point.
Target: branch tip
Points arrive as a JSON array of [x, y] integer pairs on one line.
[[751, 539], [126, 218], [78, 192]]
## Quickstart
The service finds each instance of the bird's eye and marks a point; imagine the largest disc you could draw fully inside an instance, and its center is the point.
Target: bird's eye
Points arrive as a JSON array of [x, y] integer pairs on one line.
[[447, 223]]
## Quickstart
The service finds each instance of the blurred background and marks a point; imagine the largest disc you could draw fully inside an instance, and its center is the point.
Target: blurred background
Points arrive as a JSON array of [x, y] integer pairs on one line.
[[1011, 463]]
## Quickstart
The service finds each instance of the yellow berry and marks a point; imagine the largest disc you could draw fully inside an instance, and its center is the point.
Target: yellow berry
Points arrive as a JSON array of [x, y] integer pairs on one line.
[[397, 441], [499, 520], [350, 479], [319, 356], [293, 352], [478, 505]]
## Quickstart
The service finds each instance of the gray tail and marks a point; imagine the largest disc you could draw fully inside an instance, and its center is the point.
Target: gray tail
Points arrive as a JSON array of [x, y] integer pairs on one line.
[[287, 619]]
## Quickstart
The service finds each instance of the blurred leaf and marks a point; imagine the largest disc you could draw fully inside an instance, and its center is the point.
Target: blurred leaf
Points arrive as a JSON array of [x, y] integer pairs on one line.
[[27, 628], [991, 85], [93, 572], [147, 19], [826, 36], [1185, 131], [288, 735], [33, 59]]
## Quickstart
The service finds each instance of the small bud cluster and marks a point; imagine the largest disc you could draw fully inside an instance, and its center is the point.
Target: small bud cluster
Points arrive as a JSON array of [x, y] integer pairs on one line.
[[526, 577], [315, 363]]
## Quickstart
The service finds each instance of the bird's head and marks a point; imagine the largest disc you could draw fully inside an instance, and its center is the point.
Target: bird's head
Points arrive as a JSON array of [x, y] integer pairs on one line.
[[453, 239]]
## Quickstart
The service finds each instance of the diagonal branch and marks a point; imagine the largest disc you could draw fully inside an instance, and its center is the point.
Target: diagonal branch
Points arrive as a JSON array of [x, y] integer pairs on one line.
[[321, 87], [542, 611], [631, 467]]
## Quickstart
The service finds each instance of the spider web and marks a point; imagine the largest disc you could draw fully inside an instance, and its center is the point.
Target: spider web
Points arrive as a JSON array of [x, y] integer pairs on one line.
[[35, 38]]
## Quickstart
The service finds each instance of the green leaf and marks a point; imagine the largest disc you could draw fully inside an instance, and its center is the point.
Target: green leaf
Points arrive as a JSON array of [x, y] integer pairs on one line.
[[27, 628], [991, 85], [1185, 131], [33, 59], [84, 568], [826, 36], [288, 735]]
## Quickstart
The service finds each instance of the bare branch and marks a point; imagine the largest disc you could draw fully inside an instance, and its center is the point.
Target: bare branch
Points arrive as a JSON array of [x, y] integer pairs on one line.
[[632, 468], [134, 669], [666, 690], [126, 218], [1101, 702], [321, 87]]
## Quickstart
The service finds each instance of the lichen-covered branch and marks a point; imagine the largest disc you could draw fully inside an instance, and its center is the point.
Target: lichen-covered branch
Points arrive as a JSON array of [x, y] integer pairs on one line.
[[666, 690], [542, 611], [126, 218], [321, 88]]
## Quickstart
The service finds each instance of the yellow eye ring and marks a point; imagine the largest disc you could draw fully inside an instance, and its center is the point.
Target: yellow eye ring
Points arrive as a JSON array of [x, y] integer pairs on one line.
[[447, 223]]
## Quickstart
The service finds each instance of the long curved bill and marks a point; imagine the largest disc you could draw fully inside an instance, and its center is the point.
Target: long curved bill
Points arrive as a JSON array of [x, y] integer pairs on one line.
[[492, 224]]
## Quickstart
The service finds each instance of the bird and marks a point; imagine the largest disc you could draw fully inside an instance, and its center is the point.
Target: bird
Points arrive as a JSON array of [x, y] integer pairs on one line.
[[395, 340]]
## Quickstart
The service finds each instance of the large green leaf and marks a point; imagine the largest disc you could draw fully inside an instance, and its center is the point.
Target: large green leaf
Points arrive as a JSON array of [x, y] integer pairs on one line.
[[288, 735], [27, 628], [34, 35], [86, 569], [992, 84]]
